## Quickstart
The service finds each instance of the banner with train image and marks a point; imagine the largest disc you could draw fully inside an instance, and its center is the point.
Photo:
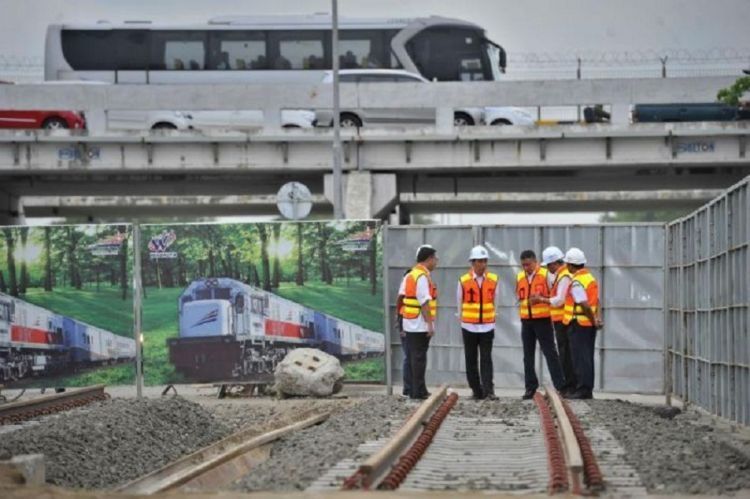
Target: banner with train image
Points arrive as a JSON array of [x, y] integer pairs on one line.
[[226, 302], [66, 310]]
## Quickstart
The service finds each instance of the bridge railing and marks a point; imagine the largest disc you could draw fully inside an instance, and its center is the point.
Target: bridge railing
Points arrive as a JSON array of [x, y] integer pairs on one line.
[[443, 97]]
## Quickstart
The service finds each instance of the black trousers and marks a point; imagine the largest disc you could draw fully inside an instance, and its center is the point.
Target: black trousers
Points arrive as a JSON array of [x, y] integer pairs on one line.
[[533, 330], [566, 357], [419, 343], [479, 376], [406, 368], [582, 343]]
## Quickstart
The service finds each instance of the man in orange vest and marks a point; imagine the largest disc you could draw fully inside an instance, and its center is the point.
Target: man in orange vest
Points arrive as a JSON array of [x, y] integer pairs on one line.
[[475, 298], [581, 315], [405, 368], [419, 310], [536, 324], [558, 279]]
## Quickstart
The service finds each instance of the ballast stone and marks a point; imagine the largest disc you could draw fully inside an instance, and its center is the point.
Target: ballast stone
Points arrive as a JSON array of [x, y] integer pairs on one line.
[[308, 372]]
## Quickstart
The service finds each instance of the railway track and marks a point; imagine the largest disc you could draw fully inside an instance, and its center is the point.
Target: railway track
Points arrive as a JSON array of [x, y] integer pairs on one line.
[[533, 451], [219, 464], [18, 412]]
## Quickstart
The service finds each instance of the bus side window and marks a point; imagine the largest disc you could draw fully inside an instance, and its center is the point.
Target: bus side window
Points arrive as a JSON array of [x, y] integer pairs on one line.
[[238, 50], [298, 50], [362, 49], [178, 50]]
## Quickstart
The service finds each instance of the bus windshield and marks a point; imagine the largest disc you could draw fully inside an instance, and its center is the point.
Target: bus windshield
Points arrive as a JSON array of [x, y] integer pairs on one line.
[[451, 53]]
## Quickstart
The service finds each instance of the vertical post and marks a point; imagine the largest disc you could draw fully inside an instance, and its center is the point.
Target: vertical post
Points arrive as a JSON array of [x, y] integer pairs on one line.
[[137, 307], [603, 310], [667, 360], [664, 66], [338, 198], [387, 318]]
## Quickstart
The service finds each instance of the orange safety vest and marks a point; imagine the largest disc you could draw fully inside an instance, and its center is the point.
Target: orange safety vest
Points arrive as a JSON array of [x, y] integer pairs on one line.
[[558, 313], [574, 311], [524, 290], [478, 303], [410, 306]]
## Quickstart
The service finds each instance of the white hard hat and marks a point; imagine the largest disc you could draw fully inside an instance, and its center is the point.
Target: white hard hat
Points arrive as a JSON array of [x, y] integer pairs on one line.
[[420, 249], [575, 256], [551, 254], [479, 253]]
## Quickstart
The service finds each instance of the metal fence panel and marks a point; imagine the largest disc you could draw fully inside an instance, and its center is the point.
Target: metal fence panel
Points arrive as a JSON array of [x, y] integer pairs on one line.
[[707, 338], [627, 259]]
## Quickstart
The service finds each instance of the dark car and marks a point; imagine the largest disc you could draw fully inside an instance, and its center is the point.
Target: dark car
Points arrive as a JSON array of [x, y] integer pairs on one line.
[[669, 113]]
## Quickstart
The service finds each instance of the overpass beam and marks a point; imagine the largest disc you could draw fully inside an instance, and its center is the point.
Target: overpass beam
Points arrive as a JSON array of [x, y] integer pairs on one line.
[[11, 209], [366, 195]]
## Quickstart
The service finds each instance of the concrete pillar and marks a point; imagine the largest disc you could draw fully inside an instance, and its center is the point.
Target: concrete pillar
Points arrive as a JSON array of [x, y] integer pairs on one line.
[[11, 209], [620, 114], [366, 195], [444, 120]]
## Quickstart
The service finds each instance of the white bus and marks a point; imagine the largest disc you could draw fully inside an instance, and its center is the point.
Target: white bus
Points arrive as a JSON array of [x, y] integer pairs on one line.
[[268, 49]]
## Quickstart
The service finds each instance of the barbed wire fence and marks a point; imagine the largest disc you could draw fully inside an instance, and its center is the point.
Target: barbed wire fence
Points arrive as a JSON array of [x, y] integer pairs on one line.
[[581, 64], [666, 63]]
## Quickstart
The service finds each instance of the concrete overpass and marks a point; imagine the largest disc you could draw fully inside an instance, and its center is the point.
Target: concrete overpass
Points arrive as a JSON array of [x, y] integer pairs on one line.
[[112, 208], [441, 167]]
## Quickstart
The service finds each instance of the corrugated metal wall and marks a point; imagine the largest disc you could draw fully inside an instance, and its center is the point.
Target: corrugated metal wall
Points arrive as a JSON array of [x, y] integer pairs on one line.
[[628, 261], [708, 302]]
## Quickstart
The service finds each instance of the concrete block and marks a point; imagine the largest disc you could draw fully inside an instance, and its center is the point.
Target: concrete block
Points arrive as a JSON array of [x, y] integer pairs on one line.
[[26, 469]]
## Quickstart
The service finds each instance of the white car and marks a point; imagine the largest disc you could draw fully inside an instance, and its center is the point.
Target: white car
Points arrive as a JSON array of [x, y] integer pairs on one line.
[[148, 120], [133, 120], [249, 119], [461, 117]]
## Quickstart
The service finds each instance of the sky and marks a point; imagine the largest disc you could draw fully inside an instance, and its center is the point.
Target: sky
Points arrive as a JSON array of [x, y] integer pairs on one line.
[[521, 26]]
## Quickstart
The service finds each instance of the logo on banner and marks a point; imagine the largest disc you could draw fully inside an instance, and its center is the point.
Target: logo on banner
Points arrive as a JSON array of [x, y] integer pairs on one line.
[[109, 246], [159, 244], [359, 242]]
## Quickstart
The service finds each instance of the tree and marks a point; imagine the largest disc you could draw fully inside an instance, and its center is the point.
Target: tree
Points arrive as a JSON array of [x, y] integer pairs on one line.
[[276, 265], [732, 94], [124, 262], [24, 284], [47, 260], [72, 245], [325, 269], [374, 264], [11, 260], [264, 256], [300, 279]]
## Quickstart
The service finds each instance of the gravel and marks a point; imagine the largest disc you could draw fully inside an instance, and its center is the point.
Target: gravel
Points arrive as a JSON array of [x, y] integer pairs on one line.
[[301, 458], [109, 443], [264, 412], [674, 453], [504, 408]]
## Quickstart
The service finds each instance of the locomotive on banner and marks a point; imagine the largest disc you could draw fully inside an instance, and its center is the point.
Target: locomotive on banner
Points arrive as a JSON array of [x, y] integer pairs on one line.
[[230, 330], [35, 341]]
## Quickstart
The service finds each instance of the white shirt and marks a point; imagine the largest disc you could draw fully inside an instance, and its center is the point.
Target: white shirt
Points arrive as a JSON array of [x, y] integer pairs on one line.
[[562, 289], [418, 325], [473, 328], [578, 292]]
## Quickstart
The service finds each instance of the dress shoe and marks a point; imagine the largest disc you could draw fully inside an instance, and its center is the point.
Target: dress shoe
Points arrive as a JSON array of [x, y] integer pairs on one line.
[[528, 395], [580, 395], [491, 396]]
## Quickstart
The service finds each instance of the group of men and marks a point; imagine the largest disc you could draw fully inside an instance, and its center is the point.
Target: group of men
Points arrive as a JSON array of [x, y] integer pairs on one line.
[[558, 303]]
